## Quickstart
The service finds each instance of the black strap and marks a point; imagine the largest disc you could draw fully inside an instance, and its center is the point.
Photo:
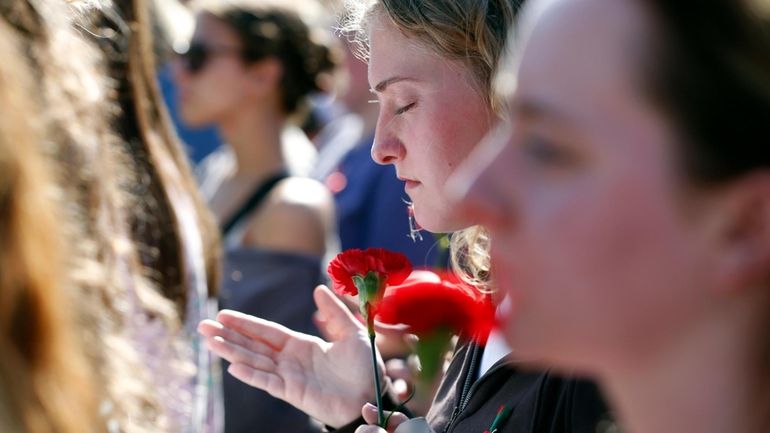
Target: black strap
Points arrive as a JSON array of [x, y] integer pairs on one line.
[[254, 200]]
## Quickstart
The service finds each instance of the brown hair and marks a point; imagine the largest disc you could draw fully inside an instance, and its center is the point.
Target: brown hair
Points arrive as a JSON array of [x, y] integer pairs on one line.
[[712, 76], [709, 70], [120, 167], [45, 385], [281, 30], [156, 152]]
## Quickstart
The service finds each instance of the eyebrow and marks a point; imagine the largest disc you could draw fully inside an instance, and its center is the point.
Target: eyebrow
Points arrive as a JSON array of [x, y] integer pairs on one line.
[[383, 85], [539, 110]]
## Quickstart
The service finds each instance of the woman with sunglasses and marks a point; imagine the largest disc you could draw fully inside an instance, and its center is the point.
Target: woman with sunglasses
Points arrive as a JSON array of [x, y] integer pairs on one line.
[[629, 202], [430, 66], [249, 70]]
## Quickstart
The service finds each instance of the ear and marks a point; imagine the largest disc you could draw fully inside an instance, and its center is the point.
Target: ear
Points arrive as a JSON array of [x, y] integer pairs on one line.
[[745, 234], [264, 76]]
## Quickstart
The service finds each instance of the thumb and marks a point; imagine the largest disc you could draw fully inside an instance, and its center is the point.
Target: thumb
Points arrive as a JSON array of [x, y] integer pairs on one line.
[[369, 412], [338, 321]]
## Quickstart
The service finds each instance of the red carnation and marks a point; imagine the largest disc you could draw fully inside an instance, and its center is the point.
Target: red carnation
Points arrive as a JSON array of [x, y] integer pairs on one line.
[[390, 269], [429, 306], [435, 308]]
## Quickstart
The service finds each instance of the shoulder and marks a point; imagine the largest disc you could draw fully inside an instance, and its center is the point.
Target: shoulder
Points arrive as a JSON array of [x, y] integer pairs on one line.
[[296, 217]]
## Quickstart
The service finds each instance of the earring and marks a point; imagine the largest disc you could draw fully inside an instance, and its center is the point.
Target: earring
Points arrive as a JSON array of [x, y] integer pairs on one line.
[[414, 227]]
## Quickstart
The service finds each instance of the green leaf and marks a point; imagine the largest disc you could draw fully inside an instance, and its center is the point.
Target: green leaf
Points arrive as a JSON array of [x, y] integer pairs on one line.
[[371, 288]]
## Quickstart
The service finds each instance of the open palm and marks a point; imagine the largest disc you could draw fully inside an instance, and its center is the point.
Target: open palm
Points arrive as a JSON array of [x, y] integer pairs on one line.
[[327, 380]]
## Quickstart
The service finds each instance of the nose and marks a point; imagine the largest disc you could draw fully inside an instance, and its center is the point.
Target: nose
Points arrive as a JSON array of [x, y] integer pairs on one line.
[[482, 187], [387, 147]]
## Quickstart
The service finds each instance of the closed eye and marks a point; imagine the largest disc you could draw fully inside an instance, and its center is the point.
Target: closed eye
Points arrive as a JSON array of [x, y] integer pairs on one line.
[[404, 109]]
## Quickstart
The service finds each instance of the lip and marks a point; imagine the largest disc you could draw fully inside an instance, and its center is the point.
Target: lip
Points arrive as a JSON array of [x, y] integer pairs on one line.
[[409, 183]]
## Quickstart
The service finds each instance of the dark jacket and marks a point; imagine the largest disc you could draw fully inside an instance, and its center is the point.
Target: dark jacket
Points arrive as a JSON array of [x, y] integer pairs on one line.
[[540, 402]]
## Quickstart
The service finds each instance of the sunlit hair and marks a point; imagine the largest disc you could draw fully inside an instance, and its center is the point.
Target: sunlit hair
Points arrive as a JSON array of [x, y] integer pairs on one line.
[[471, 32], [45, 383], [114, 154]]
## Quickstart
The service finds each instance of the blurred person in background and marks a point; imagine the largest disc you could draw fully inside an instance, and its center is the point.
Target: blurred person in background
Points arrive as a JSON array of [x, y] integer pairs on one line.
[[249, 70], [173, 24]]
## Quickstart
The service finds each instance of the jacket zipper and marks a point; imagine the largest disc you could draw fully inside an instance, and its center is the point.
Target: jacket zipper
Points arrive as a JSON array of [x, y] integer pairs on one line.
[[465, 397]]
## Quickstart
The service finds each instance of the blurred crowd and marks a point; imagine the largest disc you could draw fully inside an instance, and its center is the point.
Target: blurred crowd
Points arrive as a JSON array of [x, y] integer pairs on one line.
[[162, 160]]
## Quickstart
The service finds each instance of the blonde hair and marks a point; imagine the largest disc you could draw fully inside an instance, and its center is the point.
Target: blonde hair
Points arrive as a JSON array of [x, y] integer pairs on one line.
[[45, 384]]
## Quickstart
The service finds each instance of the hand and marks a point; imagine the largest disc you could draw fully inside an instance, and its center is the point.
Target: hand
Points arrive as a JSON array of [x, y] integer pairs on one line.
[[327, 380], [369, 413]]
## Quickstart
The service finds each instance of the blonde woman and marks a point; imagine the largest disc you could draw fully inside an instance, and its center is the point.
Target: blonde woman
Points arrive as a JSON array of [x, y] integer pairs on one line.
[[430, 65]]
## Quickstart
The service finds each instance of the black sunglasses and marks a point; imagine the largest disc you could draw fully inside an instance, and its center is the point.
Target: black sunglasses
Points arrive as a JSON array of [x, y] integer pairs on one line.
[[198, 54]]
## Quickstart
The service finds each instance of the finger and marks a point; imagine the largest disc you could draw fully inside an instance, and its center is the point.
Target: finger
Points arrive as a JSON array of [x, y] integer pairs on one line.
[[369, 412], [322, 325], [236, 354], [211, 329], [384, 328], [398, 369], [255, 328], [340, 322], [369, 429], [266, 381]]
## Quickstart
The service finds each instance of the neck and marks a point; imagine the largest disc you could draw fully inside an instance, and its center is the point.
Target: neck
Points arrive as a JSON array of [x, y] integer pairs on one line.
[[700, 383], [255, 137]]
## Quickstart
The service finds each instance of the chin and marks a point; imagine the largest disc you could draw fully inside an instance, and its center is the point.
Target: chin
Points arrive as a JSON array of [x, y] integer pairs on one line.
[[192, 119], [434, 224]]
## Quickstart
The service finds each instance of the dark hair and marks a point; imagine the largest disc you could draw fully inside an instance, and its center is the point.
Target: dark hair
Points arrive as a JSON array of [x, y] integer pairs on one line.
[[269, 30], [711, 74]]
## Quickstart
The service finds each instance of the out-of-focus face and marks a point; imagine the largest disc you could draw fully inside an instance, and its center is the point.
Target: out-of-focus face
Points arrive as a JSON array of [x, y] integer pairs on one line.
[[432, 114], [603, 253], [218, 88]]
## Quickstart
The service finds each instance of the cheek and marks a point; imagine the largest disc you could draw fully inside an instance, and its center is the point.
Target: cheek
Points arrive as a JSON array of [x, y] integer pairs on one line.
[[603, 266], [449, 135], [213, 92]]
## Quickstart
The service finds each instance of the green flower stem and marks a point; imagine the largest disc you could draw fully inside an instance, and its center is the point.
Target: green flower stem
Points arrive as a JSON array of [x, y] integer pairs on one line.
[[377, 387]]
